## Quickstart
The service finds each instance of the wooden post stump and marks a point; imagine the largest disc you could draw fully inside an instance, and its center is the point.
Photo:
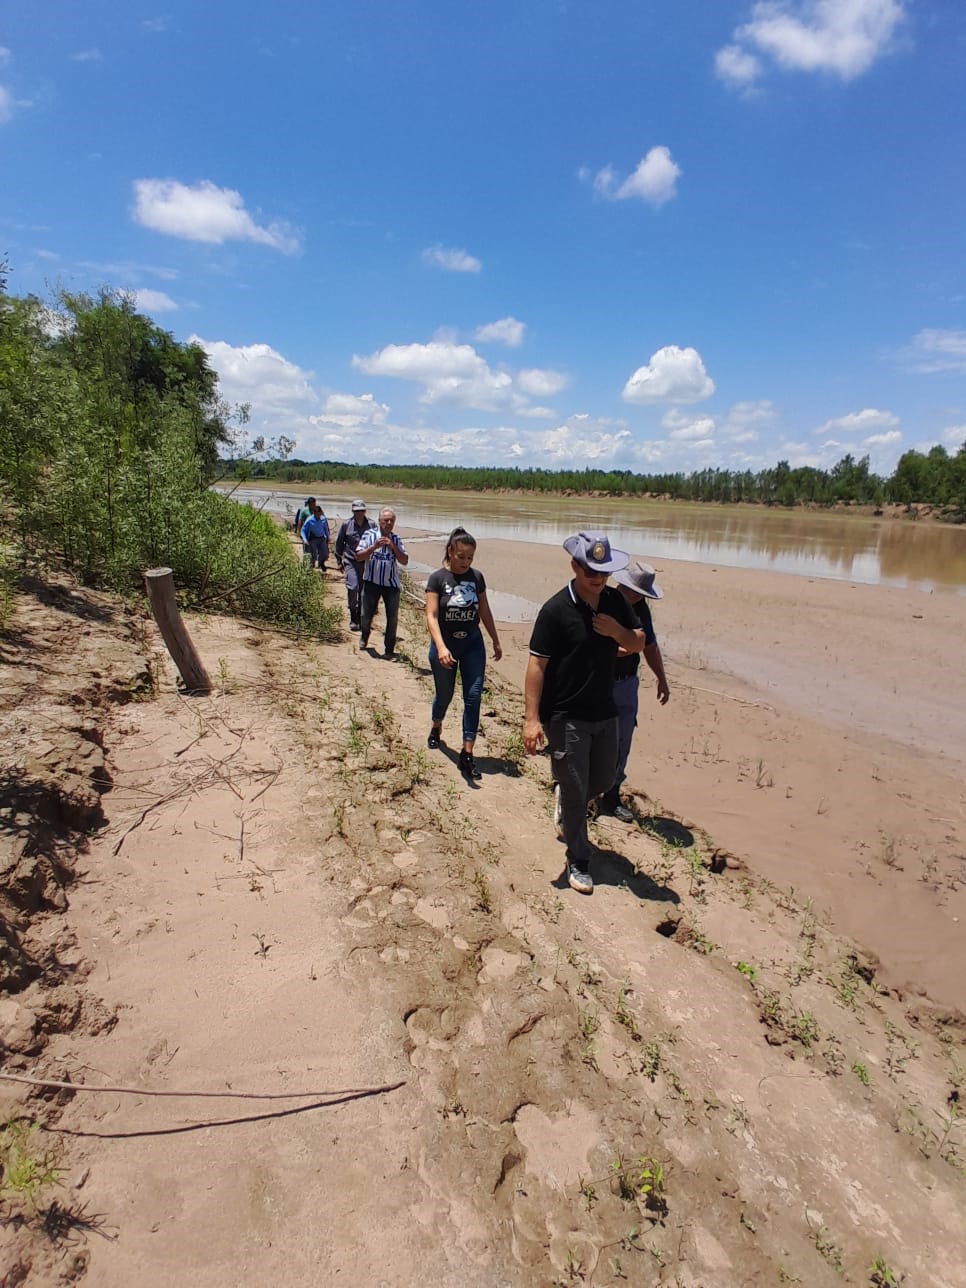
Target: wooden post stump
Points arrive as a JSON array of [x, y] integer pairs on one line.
[[164, 609]]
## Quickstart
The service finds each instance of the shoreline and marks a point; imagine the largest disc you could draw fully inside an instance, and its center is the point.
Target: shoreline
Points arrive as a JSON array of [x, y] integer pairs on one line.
[[802, 739]]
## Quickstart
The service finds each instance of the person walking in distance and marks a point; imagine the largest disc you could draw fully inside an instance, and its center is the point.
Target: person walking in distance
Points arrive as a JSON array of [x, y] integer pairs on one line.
[[569, 689], [456, 605], [346, 544], [381, 552], [636, 583], [315, 539]]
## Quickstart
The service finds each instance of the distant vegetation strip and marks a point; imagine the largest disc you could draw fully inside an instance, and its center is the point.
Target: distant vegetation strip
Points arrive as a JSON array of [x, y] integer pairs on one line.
[[109, 438], [934, 478]]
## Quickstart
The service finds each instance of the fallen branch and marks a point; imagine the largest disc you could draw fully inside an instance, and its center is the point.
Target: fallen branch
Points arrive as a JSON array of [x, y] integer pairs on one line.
[[242, 585], [209, 1095]]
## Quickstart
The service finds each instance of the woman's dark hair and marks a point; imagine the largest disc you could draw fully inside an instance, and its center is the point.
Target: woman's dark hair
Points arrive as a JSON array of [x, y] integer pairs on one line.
[[458, 537]]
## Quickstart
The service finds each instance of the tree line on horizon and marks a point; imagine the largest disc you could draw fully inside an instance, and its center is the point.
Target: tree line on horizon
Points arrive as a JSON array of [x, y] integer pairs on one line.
[[110, 435], [934, 478]]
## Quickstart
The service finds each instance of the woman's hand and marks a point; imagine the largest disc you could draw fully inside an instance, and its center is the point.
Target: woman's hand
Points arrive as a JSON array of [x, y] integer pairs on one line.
[[445, 657], [497, 650]]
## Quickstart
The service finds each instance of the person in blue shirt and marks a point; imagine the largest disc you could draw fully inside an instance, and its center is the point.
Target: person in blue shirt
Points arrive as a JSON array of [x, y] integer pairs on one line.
[[381, 551], [636, 583], [302, 513], [315, 539]]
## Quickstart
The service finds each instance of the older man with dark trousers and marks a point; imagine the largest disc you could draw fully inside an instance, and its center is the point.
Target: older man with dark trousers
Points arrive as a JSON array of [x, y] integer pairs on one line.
[[569, 689], [346, 547]]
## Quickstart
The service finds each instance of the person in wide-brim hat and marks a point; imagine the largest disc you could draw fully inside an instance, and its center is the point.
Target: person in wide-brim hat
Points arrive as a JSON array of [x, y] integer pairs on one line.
[[637, 584], [569, 689]]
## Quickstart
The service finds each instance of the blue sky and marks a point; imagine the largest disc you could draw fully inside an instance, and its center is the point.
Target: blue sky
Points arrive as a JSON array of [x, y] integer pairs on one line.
[[633, 235]]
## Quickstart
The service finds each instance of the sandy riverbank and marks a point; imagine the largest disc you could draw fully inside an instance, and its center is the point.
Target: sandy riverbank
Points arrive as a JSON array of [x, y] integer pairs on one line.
[[818, 730]]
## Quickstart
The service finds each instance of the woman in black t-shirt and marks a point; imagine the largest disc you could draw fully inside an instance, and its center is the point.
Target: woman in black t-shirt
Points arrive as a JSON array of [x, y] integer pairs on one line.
[[456, 604]]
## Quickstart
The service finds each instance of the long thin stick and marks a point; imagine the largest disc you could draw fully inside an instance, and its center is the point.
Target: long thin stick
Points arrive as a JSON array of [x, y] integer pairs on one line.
[[242, 585], [212, 1095]]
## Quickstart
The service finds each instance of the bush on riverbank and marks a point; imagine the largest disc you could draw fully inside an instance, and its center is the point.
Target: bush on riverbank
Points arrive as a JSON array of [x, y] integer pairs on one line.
[[109, 435]]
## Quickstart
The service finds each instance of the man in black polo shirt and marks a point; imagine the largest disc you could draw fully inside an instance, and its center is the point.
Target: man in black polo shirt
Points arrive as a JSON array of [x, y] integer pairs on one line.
[[569, 689]]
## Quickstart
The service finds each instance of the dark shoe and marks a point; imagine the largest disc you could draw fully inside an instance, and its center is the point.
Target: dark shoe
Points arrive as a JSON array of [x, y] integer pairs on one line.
[[580, 879], [468, 765], [623, 814], [364, 641], [434, 739], [355, 626], [389, 654]]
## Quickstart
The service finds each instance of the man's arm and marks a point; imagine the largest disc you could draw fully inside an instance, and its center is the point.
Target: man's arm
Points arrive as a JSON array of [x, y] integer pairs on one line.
[[631, 641], [532, 693], [652, 656]]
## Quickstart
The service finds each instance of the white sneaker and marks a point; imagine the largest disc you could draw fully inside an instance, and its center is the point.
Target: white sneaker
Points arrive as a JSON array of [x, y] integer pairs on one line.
[[580, 879], [557, 812]]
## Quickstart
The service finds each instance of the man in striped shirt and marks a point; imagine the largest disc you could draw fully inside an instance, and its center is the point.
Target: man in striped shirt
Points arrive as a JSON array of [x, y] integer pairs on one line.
[[381, 551]]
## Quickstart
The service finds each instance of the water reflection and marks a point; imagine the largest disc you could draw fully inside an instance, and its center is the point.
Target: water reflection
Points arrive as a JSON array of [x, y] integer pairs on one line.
[[847, 548]]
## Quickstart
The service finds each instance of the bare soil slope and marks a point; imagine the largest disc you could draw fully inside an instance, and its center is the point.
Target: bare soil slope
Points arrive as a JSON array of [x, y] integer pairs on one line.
[[686, 1079]]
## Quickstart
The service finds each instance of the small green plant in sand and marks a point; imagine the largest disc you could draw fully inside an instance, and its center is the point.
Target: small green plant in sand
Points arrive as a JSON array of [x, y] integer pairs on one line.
[[621, 1013], [805, 1029], [642, 1182], [861, 1072], [749, 972], [826, 1247], [26, 1168], [224, 675], [881, 1275], [484, 900], [514, 752], [357, 741]]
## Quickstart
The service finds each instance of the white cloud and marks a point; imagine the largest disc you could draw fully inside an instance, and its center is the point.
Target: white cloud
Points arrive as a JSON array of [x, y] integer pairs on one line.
[[653, 181], [5, 55], [350, 411], [259, 374], [934, 350], [736, 67], [842, 37], [148, 301], [744, 420], [955, 435], [455, 375], [541, 382], [92, 55], [506, 331], [860, 422], [205, 213], [6, 105], [451, 259], [687, 429], [882, 440], [672, 375]]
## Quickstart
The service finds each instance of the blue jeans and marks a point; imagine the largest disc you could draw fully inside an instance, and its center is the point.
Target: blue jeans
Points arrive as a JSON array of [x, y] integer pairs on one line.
[[470, 658], [583, 756], [626, 695], [371, 594]]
